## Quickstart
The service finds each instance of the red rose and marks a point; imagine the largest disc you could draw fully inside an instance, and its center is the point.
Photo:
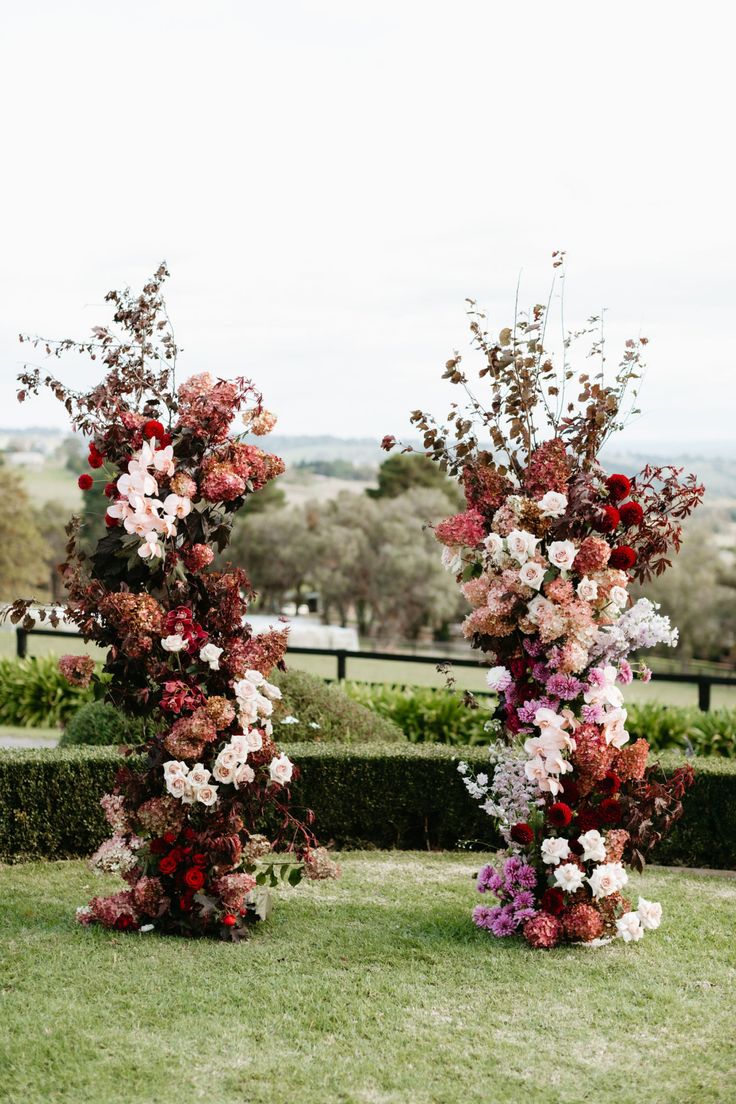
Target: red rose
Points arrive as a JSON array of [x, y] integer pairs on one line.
[[610, 810], [85, 482], [631, 514], [607, 519], [185, 903], [619, 486], [559, 815], [152, 428], [229, 920], [111, 522], [609, 784], [110, 490], [622, 557], [170, 837], [553, 901], [194, 877], [157, 846], [190, 834], [167, 865], [199, 859], [522, 833]]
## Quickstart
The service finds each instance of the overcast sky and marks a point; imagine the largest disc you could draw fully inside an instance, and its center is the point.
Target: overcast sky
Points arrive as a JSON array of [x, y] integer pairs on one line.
[[328, 182]]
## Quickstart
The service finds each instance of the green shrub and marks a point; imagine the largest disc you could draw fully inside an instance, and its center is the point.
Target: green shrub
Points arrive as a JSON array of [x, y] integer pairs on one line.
[[325, 714], [425, 715], [399, 795], [685, 728], [35, 694], [102, 724]]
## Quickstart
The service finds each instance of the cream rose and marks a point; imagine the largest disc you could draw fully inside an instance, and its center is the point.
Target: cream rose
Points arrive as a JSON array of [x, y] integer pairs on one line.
[[555, 849], [493, 545], [199, 775], [587, 589], [650, 913], [562, 554], [607, 878], [569, 877], [552, 504], [211, 654], [281, 769], [594, 847], [245, 774], [532, 574], [207, 794], [521, 544], [619, 597], [629, 927], [173, 643]]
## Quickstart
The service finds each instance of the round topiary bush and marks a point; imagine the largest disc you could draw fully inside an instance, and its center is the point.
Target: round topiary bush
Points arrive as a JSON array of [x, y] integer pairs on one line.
[[100, 723], [314, 710]]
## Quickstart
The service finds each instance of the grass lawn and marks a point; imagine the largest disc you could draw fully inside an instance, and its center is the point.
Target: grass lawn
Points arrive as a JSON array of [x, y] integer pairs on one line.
[[372, 990]]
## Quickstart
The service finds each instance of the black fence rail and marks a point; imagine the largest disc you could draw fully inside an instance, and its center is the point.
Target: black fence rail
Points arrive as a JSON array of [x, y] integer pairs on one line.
[[342, 658]]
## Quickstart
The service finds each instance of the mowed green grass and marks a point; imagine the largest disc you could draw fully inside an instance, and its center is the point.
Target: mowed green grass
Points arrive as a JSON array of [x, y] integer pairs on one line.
[[375, 989]]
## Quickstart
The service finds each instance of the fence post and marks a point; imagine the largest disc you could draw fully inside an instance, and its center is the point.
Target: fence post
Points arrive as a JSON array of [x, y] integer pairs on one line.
[[704, 694], [342, 664], [21, 643]]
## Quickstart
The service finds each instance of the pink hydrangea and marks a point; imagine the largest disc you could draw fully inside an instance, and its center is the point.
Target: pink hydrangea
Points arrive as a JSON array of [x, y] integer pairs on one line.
[[77, 670], [461, 530], [543, 930]]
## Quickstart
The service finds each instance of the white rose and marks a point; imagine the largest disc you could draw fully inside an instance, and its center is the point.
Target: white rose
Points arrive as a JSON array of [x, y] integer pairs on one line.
[[271, 691], [281, 769], [207, 794], [254, 739], [555, 849], [539, 606], [174, 643], [211, 654], [224, 772], [178, 786], [650, 913], [244, 775], [561, 554], [493, 545], [173, 767], [255, 677], [245, 689], [521, 544], [629, 927], [532, 574], [239, 747], [228, 757], [198, 775], [619, 597], [607, 878], [594, 848], [587, 589], [452, 561], [248, 713], [264, 706], [569, 877], [552, 504], [498, 678]]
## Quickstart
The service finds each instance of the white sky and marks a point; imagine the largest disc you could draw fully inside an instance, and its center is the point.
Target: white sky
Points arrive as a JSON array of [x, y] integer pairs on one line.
[[328, 181]]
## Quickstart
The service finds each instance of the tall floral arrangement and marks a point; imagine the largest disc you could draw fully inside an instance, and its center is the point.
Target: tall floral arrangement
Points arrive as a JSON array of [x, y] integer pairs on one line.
[[188, 823], [544, 553]]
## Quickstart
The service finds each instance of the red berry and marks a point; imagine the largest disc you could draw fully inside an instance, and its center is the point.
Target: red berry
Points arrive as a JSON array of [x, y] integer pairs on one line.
[[229, 920], [85, 482], [110, 490], [152, 428], [111, 522], [95, 460]]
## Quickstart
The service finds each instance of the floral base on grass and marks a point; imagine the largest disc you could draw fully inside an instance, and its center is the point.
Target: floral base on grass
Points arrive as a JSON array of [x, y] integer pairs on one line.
[[188, 824], [544, 554]]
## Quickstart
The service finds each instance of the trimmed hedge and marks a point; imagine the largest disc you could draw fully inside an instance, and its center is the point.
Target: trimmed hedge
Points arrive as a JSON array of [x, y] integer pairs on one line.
[[405, 796]]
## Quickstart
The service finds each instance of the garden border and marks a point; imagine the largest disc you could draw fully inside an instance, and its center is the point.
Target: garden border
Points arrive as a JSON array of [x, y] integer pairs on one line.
[[405, 796]]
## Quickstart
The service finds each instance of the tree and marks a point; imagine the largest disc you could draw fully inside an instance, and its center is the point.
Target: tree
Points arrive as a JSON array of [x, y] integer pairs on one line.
[[22, 551], [51, 520], [276, 547], [407, 471]]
